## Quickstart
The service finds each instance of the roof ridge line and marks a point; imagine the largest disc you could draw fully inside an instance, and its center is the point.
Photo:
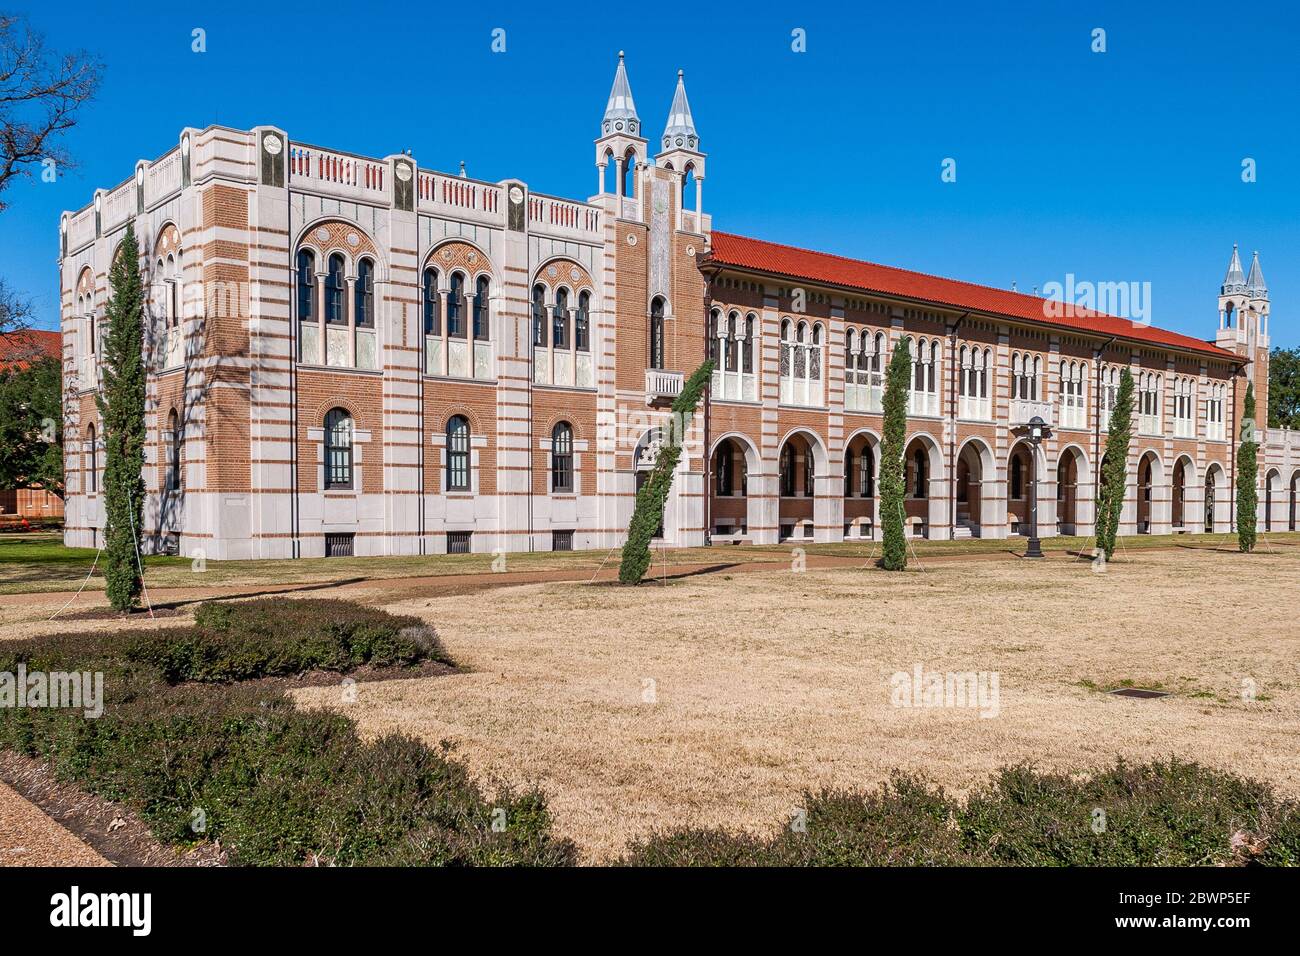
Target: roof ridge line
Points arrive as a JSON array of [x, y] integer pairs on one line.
[[915, 272]]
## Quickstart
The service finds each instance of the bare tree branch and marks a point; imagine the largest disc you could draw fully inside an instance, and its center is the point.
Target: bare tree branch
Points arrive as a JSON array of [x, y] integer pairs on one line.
[[40, 94], [15, 311]]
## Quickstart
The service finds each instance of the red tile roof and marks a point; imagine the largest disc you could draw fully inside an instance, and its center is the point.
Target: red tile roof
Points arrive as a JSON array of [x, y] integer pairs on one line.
[[779, 260], [17, 349]]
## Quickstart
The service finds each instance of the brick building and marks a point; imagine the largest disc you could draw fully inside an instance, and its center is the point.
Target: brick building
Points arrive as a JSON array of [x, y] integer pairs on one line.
[[356, 355], [17, 351]]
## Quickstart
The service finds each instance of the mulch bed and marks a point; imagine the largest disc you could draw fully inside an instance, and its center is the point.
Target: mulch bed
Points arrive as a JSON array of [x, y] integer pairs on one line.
[[114, 831], [110, 829]]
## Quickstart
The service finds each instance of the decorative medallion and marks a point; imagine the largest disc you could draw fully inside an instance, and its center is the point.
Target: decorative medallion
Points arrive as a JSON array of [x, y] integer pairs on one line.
[[139, 175], [574, 274], [516, 194], [322, 234], [446, 254], [272, 144], [631, 239], [680, 141], [552, 271], [404, 172], [353, 239], [618, 126], [472, 257], [690, 251]]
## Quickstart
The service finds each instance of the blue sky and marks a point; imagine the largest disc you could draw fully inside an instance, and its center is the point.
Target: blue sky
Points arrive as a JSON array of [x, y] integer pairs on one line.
[[1123, 166]]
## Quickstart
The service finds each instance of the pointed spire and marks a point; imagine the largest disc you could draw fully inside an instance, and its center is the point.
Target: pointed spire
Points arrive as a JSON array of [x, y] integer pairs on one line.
[[680, 131], [1255, 285], [620, 114], [1235, 280]]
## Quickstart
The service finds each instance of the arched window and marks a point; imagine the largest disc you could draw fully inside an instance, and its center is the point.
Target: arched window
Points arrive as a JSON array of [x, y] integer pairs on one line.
[[481, 330], [867, 472], [808, 482], [456, 307], [1017, 477], [850, 473], [747, 348], [732, 357], [583, 328], [173, 293], [715, 321], [539, 316], [92, 480], [458, 453], [922, 488], [363, 294], [335, 314], [560, 329], [173, 439], [306, 285], [432, 303], [338, 449], [657, 333], [562, 458]]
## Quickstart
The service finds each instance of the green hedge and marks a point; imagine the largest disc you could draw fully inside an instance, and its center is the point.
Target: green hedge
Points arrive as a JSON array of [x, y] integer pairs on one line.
[[275, 785], [1156, 814]]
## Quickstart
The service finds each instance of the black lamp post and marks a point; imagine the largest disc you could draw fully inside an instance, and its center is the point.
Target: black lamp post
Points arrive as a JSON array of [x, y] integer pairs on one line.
[[1035, 432]]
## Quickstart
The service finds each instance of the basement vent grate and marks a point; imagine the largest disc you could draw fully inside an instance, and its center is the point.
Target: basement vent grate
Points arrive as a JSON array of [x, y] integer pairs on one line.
[[338, 545], [1139, 692]]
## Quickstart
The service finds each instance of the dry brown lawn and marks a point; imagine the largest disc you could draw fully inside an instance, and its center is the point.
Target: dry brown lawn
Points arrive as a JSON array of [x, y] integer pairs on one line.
[[768, 683]]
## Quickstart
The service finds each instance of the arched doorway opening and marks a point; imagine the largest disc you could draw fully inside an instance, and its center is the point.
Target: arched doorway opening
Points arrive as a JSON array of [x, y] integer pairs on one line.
[[1148, 480], [797, 480], [1216, 499], [1069, 468], [1272, 494], [861, 472], [731, 509], [922, 473], [1020, 472], [1178, 493], [973, 495]]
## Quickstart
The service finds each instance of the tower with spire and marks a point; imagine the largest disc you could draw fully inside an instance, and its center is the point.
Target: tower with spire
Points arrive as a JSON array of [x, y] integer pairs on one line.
[[1243, 324], [681, 151], [620, 143]]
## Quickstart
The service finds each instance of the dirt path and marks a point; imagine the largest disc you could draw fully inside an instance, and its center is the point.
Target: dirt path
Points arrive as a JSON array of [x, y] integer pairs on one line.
[[28, 837], [440, 585]]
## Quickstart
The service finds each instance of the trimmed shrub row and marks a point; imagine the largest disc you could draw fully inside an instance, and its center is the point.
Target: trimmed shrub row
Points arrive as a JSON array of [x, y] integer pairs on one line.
[[1158, 814], [241, 765]]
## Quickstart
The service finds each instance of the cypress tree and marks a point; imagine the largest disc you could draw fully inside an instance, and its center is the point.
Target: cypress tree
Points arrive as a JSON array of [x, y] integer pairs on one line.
[[121, 409], [649, 512], [1247, 474], [1114, 467], [893, 445]]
